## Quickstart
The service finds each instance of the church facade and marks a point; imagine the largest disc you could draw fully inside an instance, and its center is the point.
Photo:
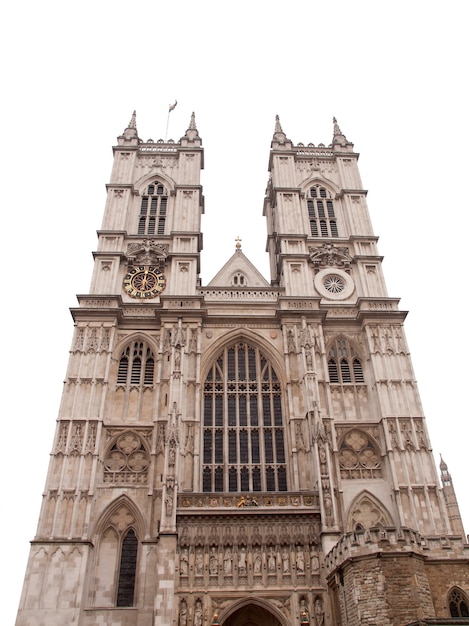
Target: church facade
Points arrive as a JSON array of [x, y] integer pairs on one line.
[[245, 452]]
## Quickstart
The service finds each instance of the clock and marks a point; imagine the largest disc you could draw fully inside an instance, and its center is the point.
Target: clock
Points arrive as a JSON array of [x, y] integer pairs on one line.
[[144, 281]]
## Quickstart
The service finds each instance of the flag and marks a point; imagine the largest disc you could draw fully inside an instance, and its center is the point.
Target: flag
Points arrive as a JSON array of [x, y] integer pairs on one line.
[[172, 106]]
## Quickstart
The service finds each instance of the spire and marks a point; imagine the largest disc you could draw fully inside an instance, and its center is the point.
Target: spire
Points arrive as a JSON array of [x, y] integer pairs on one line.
[[278, 126], [443, 466], [133, 121], [338, 134], [192, 134], [192, 125], [279, 138], [130, 134]]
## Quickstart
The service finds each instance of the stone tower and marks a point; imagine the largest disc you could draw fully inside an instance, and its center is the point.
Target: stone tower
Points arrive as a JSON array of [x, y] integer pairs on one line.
[[243, 452]]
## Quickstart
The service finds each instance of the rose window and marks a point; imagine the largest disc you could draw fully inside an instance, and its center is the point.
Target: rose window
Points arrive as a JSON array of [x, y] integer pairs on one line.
[[334, 283]]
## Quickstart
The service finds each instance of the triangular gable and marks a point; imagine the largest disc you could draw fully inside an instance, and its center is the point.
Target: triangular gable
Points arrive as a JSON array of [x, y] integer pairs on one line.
[[238, 265]]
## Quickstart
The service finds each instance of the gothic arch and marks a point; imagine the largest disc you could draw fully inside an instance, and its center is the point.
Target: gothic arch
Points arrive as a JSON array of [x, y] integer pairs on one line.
[[353, 344], [366, 511], [118, 533], [146, 179], [250, 337], [130, 339], [457, 603], [109, 518], [239, 605], [320, 180]]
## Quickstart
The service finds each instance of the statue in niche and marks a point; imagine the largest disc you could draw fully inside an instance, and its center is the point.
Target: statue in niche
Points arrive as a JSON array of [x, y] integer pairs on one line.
[[213, 562], [291, 341], [304, 613], [300, 560], [286, 560], [198, 613], [183, 613], [199, 562], [228, 562], [242, 560], [322, 457], [318, 611], [314, 560], [184, 563], [272, 560], [169, 504], [257, 561]]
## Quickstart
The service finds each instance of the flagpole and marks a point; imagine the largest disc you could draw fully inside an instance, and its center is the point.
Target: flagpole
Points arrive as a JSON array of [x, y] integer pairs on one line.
[[171, 108]]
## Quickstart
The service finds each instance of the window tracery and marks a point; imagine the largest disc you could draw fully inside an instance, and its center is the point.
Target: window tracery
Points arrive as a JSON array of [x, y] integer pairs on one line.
[[136, 365], [359, 456], [243, 437], [344, 364], [321, 214], [153, 210], [126, 460], [458, 603]]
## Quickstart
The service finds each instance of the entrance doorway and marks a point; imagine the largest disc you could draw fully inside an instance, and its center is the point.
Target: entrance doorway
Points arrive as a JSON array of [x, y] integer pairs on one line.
[[251, 615]]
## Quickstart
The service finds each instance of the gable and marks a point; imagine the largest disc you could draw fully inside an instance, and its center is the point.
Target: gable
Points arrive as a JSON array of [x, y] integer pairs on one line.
[[238, 271]]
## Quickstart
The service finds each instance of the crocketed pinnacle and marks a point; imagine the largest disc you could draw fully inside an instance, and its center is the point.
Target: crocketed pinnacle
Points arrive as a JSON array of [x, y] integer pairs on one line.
[[133, 121], [337, 134], [278, 126], [192, 125]]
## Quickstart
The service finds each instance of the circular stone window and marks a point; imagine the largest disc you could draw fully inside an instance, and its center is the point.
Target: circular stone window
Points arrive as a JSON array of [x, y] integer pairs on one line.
[[334, 284]]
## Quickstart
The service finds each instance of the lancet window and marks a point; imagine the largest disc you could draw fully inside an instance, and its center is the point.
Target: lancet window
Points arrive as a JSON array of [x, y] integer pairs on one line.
[[344, 364], [153, 210], [136, 366], [127, 570], [244, 439], [321, 213]]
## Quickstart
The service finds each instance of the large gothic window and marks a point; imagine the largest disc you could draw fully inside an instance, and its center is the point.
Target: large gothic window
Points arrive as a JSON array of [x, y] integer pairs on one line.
[[321, 212], [244, 441], [153, 209]]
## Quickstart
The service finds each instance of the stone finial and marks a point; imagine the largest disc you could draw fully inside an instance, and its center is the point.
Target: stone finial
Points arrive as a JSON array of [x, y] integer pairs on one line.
[[238, 243]]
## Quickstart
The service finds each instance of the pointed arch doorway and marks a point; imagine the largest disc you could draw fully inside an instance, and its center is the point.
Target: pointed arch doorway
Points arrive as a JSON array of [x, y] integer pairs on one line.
[[251, 615]]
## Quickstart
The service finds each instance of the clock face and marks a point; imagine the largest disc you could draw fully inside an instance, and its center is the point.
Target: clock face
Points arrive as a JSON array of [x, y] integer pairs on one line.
[[144, 281]]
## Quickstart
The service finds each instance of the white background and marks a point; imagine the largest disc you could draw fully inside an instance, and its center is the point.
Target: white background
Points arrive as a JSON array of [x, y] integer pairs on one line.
[[393, 73]]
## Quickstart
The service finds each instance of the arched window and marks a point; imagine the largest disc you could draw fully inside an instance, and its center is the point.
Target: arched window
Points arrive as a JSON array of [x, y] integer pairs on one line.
[[136, 366], [153, 210], [127, 570], [117, 558], [321, 213], [458, 603], [344, 364], [243, 439]]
